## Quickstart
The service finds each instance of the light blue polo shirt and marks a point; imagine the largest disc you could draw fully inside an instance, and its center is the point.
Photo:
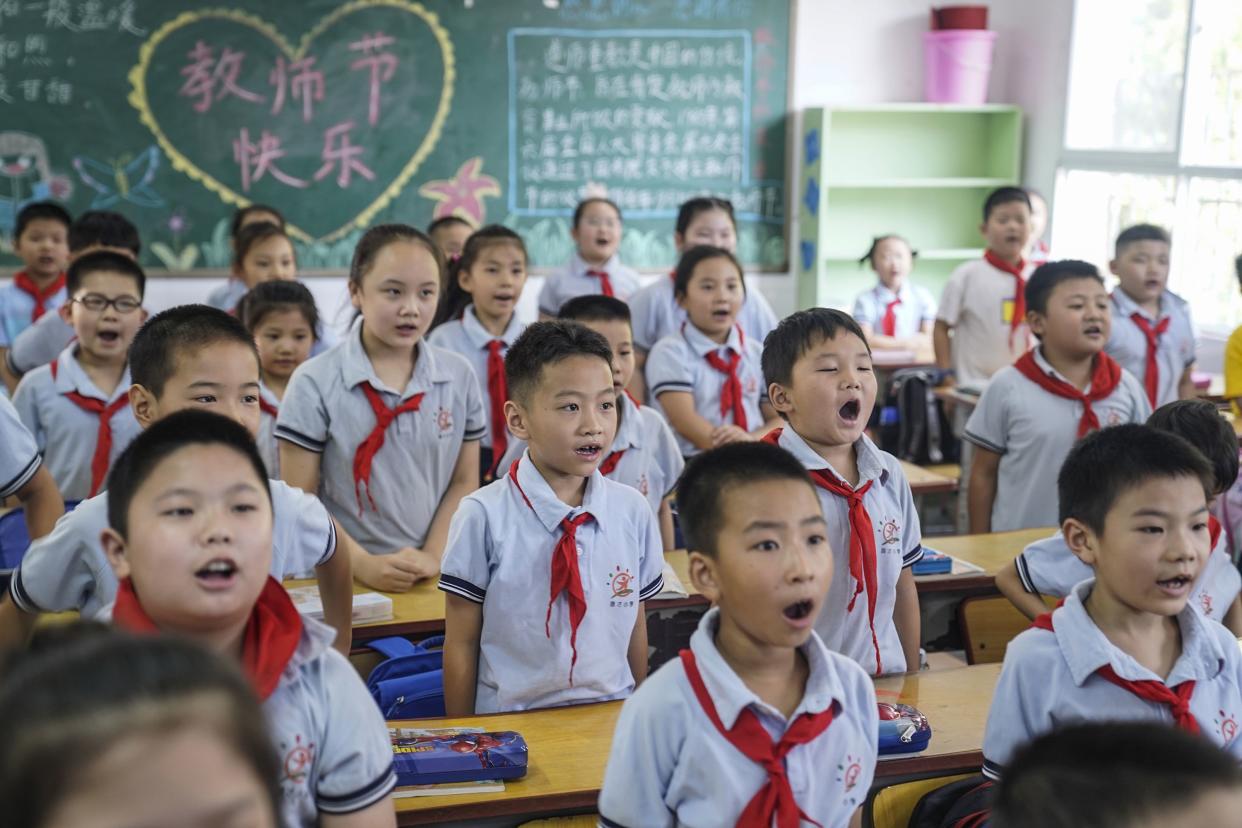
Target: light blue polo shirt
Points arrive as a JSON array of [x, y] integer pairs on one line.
[[20, 459], [655, 314], [572, 281], [16, 308], [39, 344], [1175, 349], [917, 308], [669, 765]]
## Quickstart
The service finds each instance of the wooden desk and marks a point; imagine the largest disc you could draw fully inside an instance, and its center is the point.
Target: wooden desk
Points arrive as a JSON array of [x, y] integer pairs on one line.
[[990, 552], [924, 481], [569, 747], [948, 394]]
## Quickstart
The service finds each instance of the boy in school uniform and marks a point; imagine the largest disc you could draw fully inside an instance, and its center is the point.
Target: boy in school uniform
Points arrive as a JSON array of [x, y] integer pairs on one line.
[[1048, 567], [191, 356], [1125, 645], [78, 406], [1152, 335], [1032, 412], [758, 719], [189, 539], [818, 367], [551, 526], [40, 238], [23, 475]]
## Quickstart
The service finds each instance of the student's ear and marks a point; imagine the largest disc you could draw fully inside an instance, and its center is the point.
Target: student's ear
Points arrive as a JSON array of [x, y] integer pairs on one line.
[[142, 316], [1112, 267], [355, 295], [703, 576], [780, 398], [515, 419], [983, 228], [1081, 540], [1036, 322], [144, 404], [114, 547], [65, 311]]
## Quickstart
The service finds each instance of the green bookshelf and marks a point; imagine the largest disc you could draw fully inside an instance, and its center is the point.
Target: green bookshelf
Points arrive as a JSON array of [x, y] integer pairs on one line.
[[920, 170]]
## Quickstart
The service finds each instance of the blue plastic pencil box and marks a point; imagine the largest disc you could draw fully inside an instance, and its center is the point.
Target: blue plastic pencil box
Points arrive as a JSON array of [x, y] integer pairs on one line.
[[436, 757], [903, 729]]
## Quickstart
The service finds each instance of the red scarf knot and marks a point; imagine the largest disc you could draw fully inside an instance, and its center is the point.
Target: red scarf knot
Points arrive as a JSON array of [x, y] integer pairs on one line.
[[888, 325], [610, 463], [497, 392], [605, 283], [1151, 373], [1105, 377], [23, 282], [1019, 297], [731, 397], [102, 457], [368, 448]]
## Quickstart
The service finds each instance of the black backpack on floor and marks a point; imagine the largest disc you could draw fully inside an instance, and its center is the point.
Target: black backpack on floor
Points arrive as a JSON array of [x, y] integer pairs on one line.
[[913, 425]]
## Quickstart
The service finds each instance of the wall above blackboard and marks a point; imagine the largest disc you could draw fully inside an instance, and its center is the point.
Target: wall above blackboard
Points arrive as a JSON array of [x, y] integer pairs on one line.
[[348, 114]]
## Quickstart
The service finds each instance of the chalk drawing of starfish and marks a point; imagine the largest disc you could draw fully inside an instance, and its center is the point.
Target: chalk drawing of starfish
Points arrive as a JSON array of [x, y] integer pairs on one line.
[[462, 195]]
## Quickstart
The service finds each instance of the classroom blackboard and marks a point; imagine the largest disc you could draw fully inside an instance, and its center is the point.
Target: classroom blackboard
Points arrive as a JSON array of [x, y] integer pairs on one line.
[[347, 114]]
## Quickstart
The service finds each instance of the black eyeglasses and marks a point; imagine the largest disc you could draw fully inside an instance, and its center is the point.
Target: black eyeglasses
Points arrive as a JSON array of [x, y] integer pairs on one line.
[[98, 303]]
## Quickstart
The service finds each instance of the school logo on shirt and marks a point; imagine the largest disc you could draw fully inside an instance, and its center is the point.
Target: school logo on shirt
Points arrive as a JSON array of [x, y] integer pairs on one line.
[[848, 773], [1226, 727], [619, 581], [890, 531], [444, 419], [751, 387], [1114, 418], [643, 488], [1007, 306], [298, 760], [1205, 604]]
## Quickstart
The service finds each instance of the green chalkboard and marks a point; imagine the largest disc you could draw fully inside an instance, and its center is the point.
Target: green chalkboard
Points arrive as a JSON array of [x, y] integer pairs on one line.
[[346, 114]]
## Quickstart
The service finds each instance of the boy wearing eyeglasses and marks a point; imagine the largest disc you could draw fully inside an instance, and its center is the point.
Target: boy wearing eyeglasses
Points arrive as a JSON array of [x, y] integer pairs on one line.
[[77, 407]]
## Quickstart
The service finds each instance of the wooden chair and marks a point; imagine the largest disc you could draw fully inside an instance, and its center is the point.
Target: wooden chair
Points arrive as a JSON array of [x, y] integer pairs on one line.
[[891, 807], [988, 625]]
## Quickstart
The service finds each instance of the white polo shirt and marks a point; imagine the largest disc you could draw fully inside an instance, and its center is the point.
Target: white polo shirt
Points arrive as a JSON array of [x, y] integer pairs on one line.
[[917, 307], [332, 741], [679, 363], [226, 296], [1033, 431], [468, 337], [68, 570], [499, 554], [16, 308], [66, 433], [573, 281], [655, 314], [269, 450], [669, 765], [1049, 680], [1175, 348], [898, 544], [19, 458], [39, 344], [978, 302], [326, 411]]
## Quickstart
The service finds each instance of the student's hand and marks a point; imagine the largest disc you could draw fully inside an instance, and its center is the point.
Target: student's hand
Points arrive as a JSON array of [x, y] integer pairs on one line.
[[725, 434], [426, 564], [387, 573]]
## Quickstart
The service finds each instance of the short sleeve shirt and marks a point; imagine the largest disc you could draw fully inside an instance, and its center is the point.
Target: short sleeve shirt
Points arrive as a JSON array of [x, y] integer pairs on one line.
[[898, 544], [1033, 431], [226, 296], [573, 281], [655, 314], [679, 363], [326, 411], [1175, 348], [266, 439], [1049, 680], [17, 310], [39, 344], [978, 303], [499, 554], [19, 454], [916, 307], [66, 432], [669, 764]]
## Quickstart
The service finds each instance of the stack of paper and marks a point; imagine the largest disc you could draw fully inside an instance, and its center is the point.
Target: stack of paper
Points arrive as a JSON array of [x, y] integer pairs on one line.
[[369, 607]]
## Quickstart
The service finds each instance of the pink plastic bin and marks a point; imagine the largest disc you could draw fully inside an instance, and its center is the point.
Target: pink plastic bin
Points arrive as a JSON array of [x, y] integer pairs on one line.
[[956, 65]]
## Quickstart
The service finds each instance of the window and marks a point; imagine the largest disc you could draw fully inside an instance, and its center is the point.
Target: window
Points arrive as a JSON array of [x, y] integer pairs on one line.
[[1153, 133]]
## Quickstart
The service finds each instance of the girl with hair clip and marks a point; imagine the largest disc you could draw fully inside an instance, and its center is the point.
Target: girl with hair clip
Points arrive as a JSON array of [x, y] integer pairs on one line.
[[895, 314]]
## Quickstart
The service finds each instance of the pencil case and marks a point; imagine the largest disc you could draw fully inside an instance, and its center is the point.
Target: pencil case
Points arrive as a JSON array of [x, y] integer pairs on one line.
[[933, 563], [903, 729], [433, 757]]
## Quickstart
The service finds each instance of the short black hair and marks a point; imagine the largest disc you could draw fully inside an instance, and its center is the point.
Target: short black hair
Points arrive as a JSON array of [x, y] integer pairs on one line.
[[696, 255], [1004, 195], [587, 202], [547, 343], [105, 228], [239, 217], [1107, 463], [1071, 777], [798, 333], [275, 296], [691, 208], [160, 342], [188, 427], [1140, 232], [1204, 428], [1047, 276], [103, 261], [595, 308], [713, 474], [40, 211], [254, 233], [448, 221]]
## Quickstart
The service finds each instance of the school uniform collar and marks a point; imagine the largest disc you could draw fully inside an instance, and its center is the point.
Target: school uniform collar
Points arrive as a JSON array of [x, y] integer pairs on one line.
[[548, 508], [480, 337], [870, 462], [1127, 306], [731, 695], [579, 267], [884, 295], [268, 395], [1046, 367], [630, 431], [356, 367], [1085, 648], [702, 345], [70, 376]]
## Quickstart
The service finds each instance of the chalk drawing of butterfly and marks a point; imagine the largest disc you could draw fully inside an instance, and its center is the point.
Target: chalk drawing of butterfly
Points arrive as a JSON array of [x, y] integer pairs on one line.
[[125, 178]]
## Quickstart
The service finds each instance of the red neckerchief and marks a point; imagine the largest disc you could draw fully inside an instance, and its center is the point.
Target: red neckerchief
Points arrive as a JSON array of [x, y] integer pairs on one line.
[[103, 438], [267, 408], [888, 325], [605, 284], [1177, 699], [731, 397], [565, 575], [268, 643], [1151, 374], [367, 449], [1019, 298], [1105, 377], [497, 392], [776, 798], [26, 285], [1214, 530], [609, 465]]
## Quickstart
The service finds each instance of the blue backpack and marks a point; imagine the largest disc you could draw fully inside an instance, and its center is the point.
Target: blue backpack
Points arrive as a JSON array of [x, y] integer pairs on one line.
[[15, 540], [409, 682]]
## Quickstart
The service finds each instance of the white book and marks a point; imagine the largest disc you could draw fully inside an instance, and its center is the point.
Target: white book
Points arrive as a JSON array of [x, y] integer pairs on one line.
[[369, 607]]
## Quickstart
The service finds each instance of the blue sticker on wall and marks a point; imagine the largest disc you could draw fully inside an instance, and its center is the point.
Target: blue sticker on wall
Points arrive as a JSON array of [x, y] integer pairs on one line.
[[811, 199], [811, 150], [808, 255]]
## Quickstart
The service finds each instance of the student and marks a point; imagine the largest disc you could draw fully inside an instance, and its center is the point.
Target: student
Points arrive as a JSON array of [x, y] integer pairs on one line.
[[261, 253], [78, 406], [39, 239], [1048, 567], [190, 540], [1152, 336], [644, 454], [1071, 777], [1037, 251], [818, 367], [42, 342], [253, 214], [895, 313], [758, 718], [283, 319], [595, 267], [514, 542], [190, 356], [450, 234], [491, 272], [1126, 645], [1032, 412], [24, 476], [102, 728], [383, 425], [706, 378], [983, 302], [229, 294]]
